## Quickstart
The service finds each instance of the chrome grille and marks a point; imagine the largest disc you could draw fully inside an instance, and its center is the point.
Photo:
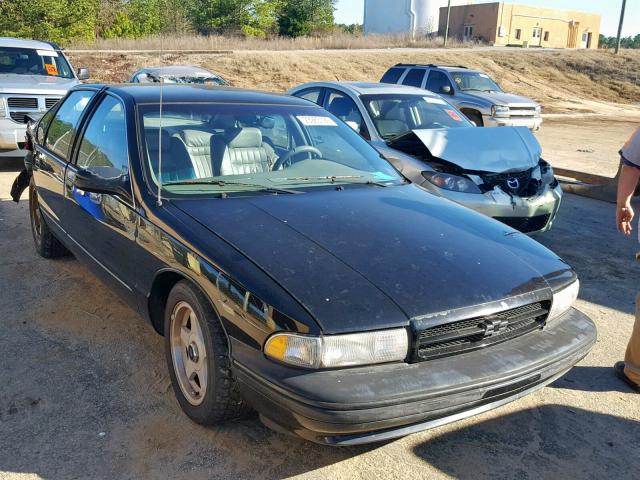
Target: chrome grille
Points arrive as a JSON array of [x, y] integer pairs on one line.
[[470, 334], [22, 102], [18, 116], [50, 102]]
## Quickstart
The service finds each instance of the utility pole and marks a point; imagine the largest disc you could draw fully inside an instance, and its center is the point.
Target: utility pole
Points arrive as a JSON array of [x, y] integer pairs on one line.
[[446, 31], [624, 4]]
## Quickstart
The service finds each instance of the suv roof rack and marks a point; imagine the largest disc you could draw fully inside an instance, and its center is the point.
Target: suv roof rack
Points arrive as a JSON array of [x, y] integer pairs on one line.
[[428, 65]]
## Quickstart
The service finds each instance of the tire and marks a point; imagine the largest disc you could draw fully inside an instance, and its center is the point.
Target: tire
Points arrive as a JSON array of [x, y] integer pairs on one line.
[[475, 117], [47, 245], [197, 353]]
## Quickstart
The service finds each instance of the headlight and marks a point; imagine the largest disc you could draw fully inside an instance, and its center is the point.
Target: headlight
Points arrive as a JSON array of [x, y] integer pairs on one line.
[[451, 182], [538, 109], [3, 108], [500, 111], [546, 173], [563, 299], [332, 351]]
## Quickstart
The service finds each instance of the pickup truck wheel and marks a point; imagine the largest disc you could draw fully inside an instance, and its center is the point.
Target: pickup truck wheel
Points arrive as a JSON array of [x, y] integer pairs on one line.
[[198, 358], [47, 245]]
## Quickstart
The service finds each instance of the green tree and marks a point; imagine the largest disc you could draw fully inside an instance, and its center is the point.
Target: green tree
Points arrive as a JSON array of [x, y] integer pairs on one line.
[[221, 16], [55, 20], [305, 17]]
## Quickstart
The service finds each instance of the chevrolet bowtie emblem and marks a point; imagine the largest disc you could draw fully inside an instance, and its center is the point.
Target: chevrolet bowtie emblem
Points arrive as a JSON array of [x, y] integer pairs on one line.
[[494, 327]]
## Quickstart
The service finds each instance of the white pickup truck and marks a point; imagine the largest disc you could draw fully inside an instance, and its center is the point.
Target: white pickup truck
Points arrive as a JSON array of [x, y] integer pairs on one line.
[[34, 75]]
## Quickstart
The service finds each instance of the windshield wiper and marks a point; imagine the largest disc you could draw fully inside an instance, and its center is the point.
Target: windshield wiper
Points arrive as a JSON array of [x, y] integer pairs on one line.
[[338, 178], [223, 183]]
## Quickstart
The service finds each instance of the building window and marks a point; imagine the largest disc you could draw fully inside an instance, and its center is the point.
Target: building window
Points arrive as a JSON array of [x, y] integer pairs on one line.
[[468, 31], [546, 36], [518, 33]]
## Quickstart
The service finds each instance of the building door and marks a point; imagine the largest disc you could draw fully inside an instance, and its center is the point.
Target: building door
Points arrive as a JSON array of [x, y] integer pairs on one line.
[[536, 37], [585, 40], [468, 33]]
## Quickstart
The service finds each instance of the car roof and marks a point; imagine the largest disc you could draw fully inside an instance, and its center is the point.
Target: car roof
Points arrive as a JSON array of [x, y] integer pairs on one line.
[[370, 88], [175, 70], [172, 93], [22, 43], [448, 68]]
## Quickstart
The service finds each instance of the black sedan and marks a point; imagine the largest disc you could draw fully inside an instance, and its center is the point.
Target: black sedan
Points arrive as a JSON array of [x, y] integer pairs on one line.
[[292, 269]]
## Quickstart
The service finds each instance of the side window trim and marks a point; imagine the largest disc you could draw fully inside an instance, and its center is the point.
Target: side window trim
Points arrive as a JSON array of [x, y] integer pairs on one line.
[[73, 162], [83, 116]]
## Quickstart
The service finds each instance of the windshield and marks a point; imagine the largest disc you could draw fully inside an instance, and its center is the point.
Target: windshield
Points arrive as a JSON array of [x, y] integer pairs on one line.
[[238, 148], [189, 79], [26, 61], [394, 115], [475, 81]]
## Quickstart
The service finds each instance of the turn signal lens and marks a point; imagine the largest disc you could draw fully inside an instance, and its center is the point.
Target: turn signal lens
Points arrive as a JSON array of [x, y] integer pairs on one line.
[[333, 351], [3, 108], [563, 300]]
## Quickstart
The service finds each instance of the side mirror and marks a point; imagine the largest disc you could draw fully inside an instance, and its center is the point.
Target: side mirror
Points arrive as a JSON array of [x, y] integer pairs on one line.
[[91, 182], [83, 73], [354, 125], [446, 89]]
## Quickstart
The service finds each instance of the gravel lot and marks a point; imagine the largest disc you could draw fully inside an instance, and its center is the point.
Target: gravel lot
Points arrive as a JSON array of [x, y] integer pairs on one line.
[[84, 391]]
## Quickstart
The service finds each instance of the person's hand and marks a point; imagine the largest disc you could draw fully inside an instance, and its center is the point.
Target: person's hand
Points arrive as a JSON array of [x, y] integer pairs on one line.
[[624, 216]]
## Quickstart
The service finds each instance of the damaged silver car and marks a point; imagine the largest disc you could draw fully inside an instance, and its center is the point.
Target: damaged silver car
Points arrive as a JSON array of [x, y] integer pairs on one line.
[[499, 172]]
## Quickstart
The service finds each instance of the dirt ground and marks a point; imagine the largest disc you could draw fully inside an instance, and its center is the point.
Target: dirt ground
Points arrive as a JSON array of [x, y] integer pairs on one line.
[[84, 391]]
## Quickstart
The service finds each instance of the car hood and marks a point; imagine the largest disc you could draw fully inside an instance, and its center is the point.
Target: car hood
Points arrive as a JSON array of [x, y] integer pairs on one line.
[[370, 257], [35, 84], [502, 98], [495, 150]]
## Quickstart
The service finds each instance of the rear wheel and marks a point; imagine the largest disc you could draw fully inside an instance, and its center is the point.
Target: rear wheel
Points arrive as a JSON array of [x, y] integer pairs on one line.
[[198, 358], [47, 245]]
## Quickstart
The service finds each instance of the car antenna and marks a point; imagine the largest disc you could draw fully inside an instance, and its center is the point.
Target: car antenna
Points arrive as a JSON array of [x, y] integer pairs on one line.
[[160, 125]]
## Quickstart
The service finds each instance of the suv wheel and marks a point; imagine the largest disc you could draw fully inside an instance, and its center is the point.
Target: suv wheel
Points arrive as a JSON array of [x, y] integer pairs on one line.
[[475, 117], [197, 355], [47, 245]]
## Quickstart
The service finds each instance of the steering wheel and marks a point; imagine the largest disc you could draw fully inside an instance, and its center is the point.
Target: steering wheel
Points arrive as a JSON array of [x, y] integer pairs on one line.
[[296, 151]]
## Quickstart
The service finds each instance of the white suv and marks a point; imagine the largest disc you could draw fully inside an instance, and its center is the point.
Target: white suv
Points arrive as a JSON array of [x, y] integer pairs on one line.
[[33, 77]]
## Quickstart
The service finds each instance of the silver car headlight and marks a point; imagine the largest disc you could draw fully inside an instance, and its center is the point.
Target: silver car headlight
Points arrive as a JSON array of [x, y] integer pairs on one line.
[[563, 300], [3, 108], [500, 111], [454, 183], [538, 109], [333, 351]]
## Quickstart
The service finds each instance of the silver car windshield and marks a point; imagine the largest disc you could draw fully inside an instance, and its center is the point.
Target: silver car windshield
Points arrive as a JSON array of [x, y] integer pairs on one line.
[[27, 61], [394, 115], [477, 81], [240, 148]]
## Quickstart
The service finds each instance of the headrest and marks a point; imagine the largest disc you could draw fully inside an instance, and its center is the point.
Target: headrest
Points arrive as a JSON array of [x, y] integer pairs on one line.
[[341, 106], [249, 137], [267, 122], [195, 138]]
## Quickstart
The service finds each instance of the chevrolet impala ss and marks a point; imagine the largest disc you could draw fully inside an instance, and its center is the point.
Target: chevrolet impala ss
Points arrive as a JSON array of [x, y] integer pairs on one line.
[[293, 270]]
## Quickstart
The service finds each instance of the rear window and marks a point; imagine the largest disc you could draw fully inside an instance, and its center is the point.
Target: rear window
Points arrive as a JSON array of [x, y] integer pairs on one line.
[[392, 75], [28, 61]]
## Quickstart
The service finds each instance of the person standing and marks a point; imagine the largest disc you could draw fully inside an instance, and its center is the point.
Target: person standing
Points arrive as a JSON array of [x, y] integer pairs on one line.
[[629, 370]]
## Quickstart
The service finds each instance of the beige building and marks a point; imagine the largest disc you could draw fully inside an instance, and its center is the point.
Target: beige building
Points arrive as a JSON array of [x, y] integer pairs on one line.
[[502, 23]]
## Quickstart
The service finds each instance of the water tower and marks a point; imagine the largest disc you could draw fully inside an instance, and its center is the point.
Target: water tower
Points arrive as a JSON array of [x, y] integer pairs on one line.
[[402, 16]]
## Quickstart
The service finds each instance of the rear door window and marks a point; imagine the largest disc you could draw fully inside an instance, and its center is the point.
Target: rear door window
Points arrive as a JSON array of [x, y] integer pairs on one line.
[[311, 94], [415, 77], [346, 110], [63, 127], [392, 75]]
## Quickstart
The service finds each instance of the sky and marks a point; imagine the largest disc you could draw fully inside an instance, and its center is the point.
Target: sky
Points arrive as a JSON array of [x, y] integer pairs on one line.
[[352, 11]]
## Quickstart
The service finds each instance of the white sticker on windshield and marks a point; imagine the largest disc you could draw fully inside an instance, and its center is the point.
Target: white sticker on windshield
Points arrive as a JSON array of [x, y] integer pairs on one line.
[[437, 100], [483, 75], [47, 53], [316, 121]]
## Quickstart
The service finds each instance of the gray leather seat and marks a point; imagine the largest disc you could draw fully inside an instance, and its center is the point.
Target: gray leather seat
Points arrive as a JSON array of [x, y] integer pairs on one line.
[[242, 151], [197, 144]]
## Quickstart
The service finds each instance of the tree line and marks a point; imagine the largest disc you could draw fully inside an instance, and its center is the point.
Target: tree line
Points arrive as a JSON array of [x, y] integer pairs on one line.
[[65, 20], [625, 42]]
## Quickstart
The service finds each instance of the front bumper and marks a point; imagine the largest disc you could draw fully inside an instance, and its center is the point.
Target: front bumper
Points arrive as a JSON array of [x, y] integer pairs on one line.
[[371, 404], [12, 137], [532, 123], [511, 210]]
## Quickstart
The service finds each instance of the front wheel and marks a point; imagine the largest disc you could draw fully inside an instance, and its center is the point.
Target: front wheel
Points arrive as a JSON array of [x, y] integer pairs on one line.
[[475, 117], [198, 358]]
